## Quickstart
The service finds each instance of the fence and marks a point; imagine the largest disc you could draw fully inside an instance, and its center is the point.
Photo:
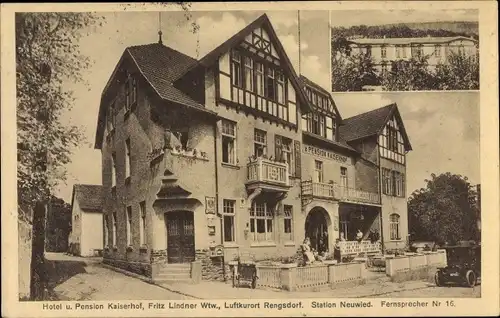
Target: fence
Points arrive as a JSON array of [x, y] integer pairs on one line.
[[414, 266], [290, 277]]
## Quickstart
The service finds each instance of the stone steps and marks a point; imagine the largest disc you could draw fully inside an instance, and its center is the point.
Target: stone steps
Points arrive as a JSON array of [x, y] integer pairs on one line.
[[174, 273]]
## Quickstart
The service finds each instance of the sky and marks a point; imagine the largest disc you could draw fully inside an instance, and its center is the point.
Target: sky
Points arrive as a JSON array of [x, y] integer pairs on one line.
[[347, 18], [452, 116], [443, 128]]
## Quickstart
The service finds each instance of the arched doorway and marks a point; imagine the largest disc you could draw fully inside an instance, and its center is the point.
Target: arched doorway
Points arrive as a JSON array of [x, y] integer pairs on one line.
[[180, 236], [316, 229]]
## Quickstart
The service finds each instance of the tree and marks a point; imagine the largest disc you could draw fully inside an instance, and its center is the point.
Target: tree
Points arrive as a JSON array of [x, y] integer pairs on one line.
[[409, 75], [47, 57], [444, 211], [351, 73], [461, 72]]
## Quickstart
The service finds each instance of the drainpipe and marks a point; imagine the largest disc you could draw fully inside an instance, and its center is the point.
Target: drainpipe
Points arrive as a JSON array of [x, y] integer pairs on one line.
[[379, 184], [217, 200]]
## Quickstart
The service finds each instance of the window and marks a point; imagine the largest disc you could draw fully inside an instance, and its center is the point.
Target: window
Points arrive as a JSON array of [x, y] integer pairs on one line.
[[127, 159], [368, 51], [318, 171], [260, 143], [142, 226], [383, 52], [343, 176], [127, 93], [394, 227], [403, 48], [129, 225], [437, 50], [134, 91], [114, 229], [106, 232], [236, 66], [248, 70], [398, 184], [386, 181], [111, 118], [384, 68], [261, 222], [228, 220], [284, 152], [288, 222], [417, 51], [398, 51], [392, 139], [280, 88], [270, 84], [259, 79], [330, 128], [228, 142], [113, 170]]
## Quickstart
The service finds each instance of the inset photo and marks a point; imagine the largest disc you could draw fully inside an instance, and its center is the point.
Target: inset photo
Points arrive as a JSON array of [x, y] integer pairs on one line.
[[404, 50]]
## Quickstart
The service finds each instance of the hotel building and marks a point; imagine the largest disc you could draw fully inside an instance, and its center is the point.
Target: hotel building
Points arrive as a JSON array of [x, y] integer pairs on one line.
[[204, 160]]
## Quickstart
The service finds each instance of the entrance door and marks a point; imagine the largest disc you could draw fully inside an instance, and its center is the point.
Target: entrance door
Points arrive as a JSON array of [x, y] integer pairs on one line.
[[180, 236], [316, 229]]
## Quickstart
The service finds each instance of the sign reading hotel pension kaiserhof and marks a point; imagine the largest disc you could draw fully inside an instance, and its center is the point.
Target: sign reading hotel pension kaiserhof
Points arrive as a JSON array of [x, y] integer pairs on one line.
[[324, 153]]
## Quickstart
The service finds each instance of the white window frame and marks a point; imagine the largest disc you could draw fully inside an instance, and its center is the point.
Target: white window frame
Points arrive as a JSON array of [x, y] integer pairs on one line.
[[287, 154], [394, 227], [344, 182], [128, 167], [260, 142], [288, 217], [236, 64], [128, 215], [114, 229], [228, 131], [142, 223], [228, 212], [318, 171], [260, 211], [248, 71], [113, 170], [383, 51]]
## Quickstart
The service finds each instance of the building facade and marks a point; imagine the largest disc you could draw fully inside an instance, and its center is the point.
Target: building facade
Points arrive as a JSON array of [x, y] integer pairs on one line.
[[206, 160], [438, 49], [86, 238]]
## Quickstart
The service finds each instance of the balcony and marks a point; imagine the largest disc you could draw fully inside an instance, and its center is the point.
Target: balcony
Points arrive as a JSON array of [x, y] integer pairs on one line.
[[333, 191], [268, 175]]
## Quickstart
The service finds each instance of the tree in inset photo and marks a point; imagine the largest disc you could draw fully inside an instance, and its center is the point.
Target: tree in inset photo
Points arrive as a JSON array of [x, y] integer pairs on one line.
[[461, 72], [409, 75]]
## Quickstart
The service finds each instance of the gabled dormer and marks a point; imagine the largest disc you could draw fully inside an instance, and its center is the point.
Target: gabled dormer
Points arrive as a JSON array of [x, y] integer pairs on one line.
[[393, 140], [254, 74], [325, 118]]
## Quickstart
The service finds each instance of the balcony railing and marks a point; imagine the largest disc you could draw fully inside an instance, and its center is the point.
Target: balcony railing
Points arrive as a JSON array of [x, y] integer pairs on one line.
[[268, 171], [334, 191], [318, 190], [356, 196]]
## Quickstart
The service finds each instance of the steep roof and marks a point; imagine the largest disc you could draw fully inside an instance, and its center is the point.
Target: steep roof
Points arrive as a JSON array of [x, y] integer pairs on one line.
[[307, 82], [370, 123], [262, 21], [160, 66], [89, 196], [422, 40]]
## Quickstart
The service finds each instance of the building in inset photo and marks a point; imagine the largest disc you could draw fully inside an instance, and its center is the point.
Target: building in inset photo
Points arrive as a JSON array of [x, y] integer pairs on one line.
[[405, 50]]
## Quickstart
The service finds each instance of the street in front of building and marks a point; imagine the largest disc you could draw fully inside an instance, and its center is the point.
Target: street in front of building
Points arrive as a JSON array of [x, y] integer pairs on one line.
[[76, 278]]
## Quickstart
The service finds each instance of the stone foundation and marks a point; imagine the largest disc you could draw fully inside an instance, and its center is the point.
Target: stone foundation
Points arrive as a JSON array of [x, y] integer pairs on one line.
[[134, 267], [158, 257], [211, 268]]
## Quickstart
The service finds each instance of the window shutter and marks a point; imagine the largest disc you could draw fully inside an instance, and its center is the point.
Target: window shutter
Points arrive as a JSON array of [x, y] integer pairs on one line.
[[297, 158]]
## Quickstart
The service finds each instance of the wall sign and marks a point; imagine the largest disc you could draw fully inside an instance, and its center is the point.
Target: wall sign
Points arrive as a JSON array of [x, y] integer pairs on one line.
[[209, 205], [324, 153]]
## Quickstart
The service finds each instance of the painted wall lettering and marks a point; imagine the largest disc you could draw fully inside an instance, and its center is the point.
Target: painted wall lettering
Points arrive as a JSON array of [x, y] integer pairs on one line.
[[324, 153]]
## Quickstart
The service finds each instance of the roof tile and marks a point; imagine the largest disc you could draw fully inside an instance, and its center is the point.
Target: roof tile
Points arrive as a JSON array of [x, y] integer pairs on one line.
[[89, 196], [365, 124]]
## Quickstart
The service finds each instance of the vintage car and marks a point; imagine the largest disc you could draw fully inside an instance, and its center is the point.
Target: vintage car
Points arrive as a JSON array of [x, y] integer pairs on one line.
[[463, 265]]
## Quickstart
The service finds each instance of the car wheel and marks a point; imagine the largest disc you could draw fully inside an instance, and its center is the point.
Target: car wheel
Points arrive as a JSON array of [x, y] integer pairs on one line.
[[438, 278], [471, 278]]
